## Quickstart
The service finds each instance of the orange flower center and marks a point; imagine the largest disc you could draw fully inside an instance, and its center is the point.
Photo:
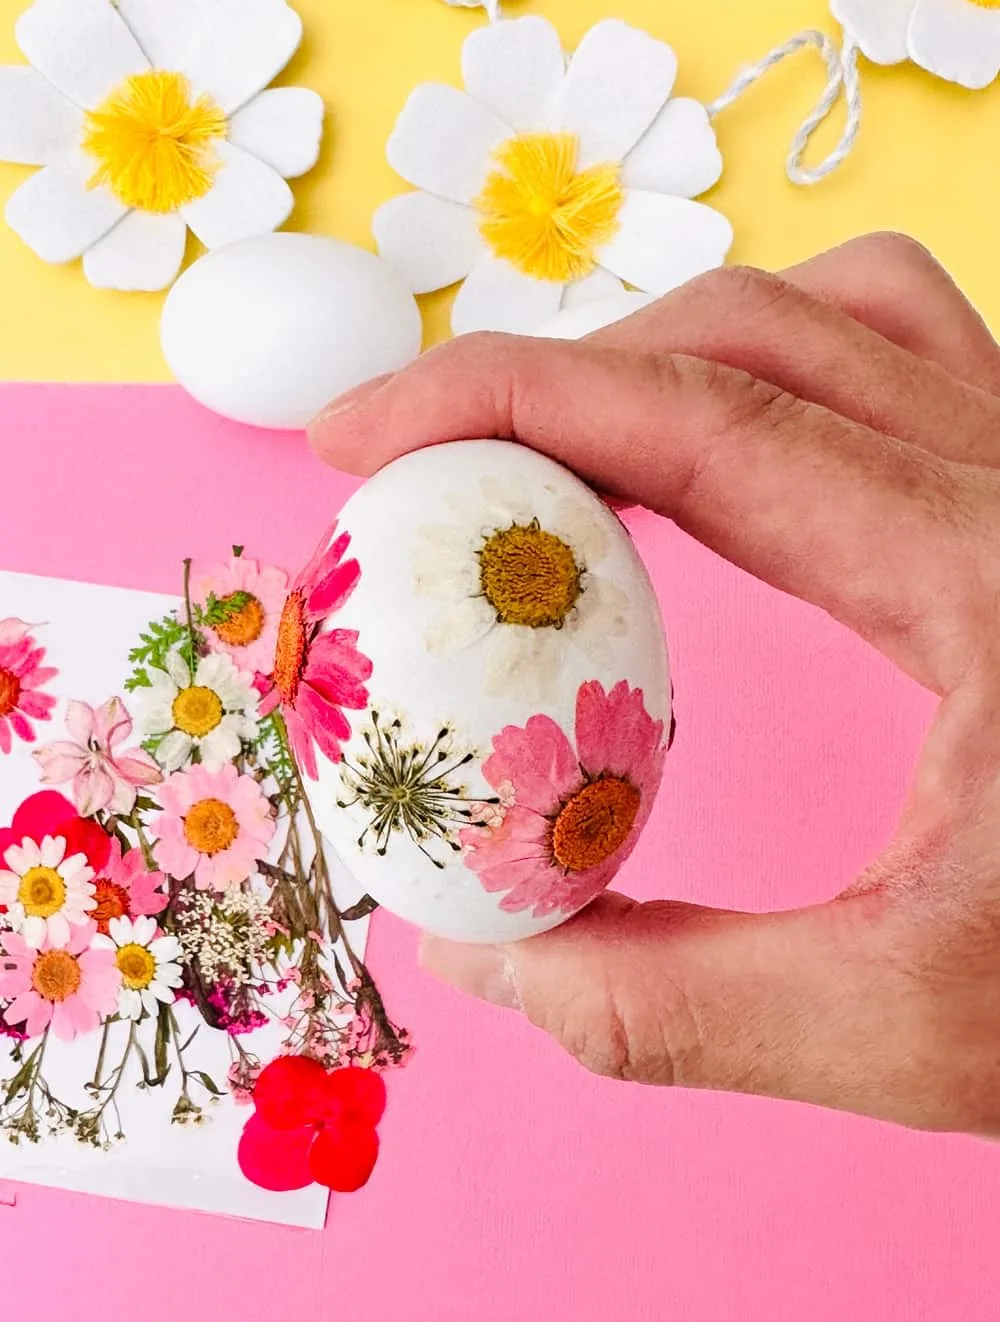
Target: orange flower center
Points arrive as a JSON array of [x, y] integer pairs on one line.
[[56, 975], [10, 691], [595, 823], [290, 652], [210, 826], [112, 902], [243, 625]]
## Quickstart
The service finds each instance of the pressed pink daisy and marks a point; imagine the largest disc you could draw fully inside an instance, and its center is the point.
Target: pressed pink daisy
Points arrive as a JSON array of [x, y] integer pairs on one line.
[[317, 673], [126, 888], [104, 775], [21, 677], [569, 816], [215, 825], [246, 606], [70, 987]]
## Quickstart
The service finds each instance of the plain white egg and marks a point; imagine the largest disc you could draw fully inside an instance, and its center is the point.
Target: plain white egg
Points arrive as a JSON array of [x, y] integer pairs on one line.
[[518, 704], [268, 330], [574, 322]]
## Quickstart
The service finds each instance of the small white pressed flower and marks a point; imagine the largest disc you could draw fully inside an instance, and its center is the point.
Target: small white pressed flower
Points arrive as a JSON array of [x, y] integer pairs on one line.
[[149, 965], [212, 711]]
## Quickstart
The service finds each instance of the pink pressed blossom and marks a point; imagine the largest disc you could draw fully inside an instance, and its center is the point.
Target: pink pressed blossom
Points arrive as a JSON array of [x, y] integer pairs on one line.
[[569, 817], [249, 600], [21, 677], [103, 775], [70, 987], [215, 826], [319, 673], [126, 888]]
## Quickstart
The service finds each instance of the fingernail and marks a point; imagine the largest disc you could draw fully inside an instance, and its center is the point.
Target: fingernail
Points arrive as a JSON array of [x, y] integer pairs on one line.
[[349, 400], [483, 971]]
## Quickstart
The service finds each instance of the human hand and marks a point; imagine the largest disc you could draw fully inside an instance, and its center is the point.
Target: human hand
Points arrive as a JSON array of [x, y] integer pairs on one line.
[[835, 430]]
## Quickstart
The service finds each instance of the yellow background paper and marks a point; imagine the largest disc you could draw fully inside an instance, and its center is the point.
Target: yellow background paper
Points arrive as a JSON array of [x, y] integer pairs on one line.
[[927, 161]]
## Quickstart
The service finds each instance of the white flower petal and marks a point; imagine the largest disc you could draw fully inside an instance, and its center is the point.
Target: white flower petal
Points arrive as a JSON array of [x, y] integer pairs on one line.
[[444, 142], [161, 991], [58, 928], [283, 128], [957, 40], [52, 851], [663, 241], [878, 26], [523, 661], [165, 948], [23, 856], [148, 998], [515, 68], [600, 284], [58, 216], [219, 747], [10, 884], [577, 526], [174, 751], [120, 930], [461, 626], [678, 154], [496, 296], [616, 84], [143, 929], [38, 125], [157, 717], [81, 46], [143, 252], [178, 670], [229, 48], [247, 197], [102, 942], [129, 1003], [434, 242]]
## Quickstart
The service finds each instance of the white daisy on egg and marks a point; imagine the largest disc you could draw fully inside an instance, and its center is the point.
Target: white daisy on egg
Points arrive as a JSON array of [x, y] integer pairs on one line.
[[549, 181], [955, 39], [148, 118], [149, 963]]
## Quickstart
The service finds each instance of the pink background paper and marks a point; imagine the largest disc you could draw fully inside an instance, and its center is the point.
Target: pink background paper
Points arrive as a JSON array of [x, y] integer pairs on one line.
[[513, 1185]]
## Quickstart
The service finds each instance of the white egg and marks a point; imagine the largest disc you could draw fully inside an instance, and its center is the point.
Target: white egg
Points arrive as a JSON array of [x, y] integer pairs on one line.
[[508, 747], [574, 322], [269, 330]]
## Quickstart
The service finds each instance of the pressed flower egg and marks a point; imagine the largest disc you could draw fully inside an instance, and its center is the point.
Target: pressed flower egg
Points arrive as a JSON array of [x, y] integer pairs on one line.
[[492, 731]]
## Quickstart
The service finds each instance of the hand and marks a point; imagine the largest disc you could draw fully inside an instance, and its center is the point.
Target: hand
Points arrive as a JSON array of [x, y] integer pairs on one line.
[[835, 430]]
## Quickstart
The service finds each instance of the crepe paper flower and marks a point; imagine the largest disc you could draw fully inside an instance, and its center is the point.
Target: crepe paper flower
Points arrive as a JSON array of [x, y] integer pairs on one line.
[[215, 826], [45, 892], [319, 673], [312, 1125], [50, 814], [21, 677], [70, 986], [211, 712], [955, 39], [149, 964], [575, 811], [547, 183], [126, 888], [103, 776], [149, 119], [241, 604], [529, 587]]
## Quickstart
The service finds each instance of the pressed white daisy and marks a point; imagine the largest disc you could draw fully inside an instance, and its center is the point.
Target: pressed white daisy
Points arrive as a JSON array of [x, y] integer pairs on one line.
[[149, 964], [45, 892], [212, 711], [955, 39], [148, 118], [548, 182], [530, 586]]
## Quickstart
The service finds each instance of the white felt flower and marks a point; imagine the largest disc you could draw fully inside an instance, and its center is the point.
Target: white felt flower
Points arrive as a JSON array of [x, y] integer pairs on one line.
[[148, 118], [212, 711], [955, 39], [149, 965], [548, 182]]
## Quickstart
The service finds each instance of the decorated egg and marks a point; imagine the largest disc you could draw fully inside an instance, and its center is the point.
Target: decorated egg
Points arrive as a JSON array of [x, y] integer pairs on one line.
[[268, 330], [489, 695]]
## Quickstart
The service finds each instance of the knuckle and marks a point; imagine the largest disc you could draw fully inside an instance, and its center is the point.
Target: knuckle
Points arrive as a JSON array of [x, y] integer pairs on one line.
[[897, 249], [748, 288]]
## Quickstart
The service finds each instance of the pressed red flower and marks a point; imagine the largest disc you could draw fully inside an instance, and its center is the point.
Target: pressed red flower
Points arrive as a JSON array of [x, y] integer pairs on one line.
[[49, 813]]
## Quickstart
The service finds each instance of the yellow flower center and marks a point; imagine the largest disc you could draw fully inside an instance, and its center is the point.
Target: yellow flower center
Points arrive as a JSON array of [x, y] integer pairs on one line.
[[10, 691], [529, 576], [987, 4], [210, 826], [244, 625], [595, 823], [153, 142], [42, 892], [290, 651], [197, 711], [56, 975], [136, 965], [542, 214]]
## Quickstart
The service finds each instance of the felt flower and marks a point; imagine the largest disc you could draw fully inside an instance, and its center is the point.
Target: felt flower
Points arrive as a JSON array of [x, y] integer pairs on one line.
[[126, 888], [68, 986], [215, 826], [211, 711], [149, 118], [546, 183], [318, 672], [21, 677], [148, 961], [241, 605], [955, 39], [522, 574], [103, 775], [50, 814], [311, 1125], [44, 891], [572, 811]]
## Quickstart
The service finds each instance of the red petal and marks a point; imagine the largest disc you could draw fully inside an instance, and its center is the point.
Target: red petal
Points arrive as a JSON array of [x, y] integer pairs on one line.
[[86, 837], [354, 1096], [291, 1092], [343, 1159], [276, 1159], [41, 815]]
